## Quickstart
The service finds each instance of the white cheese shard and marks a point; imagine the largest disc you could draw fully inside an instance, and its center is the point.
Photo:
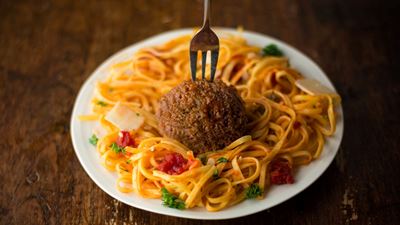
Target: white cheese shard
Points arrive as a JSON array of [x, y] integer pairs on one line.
[[124, 117], [210, 161], [313, 87], [99, 131]]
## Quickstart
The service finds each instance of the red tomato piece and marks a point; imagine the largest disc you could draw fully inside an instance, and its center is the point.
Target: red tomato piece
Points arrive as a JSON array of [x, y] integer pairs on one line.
[[125, 139], [281, 172], [174, 164]]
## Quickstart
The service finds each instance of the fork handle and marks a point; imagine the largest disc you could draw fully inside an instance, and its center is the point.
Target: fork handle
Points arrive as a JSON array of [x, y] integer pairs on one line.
[[206, 21]]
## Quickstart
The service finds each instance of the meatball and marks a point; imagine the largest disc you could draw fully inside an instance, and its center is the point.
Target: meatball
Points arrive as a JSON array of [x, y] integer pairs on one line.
[[203, 115]]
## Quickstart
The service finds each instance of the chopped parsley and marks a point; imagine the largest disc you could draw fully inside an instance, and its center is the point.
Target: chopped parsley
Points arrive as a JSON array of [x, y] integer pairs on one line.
[[101, 103], [93, 140], [222, 160], [253, 191], [128, 161], [271, 50], [171, 200], [215, 174], [117, 149]]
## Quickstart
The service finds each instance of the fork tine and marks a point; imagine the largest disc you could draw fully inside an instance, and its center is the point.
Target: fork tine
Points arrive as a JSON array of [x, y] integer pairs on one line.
[[214, 61], [203, 64], [193, 64]]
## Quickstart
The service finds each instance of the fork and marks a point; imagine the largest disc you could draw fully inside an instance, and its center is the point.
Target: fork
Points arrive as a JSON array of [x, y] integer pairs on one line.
[[205, 40]]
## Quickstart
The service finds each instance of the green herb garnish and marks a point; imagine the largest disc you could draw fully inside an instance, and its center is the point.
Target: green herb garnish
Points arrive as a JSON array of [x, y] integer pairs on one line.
[[117, 149], [93, 140], [171, 200], [128, 161], [215, 174], [253, 191], [271, 50], [101, 103], [222, 160]]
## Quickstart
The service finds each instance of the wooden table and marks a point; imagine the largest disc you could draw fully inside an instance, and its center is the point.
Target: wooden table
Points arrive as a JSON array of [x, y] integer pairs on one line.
[[48, 49]]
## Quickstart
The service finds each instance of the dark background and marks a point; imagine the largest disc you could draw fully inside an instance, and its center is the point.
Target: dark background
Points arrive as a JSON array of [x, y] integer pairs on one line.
[[48, 49]]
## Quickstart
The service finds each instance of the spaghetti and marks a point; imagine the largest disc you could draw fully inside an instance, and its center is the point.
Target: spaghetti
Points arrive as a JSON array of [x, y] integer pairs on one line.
[[286, 124]]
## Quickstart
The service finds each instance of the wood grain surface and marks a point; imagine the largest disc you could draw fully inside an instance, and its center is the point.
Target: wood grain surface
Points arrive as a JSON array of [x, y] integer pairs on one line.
[[49, 48]]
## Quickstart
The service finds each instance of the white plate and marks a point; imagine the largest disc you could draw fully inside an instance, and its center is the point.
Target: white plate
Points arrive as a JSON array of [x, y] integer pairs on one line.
[[90, 160]]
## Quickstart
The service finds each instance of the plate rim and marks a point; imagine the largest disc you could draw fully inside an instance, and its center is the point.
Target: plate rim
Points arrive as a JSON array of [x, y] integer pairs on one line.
[[176, 32]]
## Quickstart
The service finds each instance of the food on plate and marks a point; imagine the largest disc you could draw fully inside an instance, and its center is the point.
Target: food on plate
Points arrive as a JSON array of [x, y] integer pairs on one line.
[[205, 116], [202, 144]]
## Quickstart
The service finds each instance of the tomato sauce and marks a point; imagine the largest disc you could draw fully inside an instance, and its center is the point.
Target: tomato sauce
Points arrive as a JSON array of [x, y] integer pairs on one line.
[[296, 125]]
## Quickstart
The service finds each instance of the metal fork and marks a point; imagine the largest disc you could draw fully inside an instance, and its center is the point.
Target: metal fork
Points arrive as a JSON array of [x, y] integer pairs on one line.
[[205, 40]]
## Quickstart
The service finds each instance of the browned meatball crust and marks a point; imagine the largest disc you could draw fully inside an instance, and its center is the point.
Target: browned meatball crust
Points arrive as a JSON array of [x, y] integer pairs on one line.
[[203, 115]]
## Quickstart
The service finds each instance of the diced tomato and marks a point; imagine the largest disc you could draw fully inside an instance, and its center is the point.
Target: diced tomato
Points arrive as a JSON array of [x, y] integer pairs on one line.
[[174, 164], [281, 172], [125, 139]]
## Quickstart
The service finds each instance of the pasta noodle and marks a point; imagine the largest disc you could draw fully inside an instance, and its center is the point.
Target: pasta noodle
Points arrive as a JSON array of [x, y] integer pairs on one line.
[[285, 123]]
